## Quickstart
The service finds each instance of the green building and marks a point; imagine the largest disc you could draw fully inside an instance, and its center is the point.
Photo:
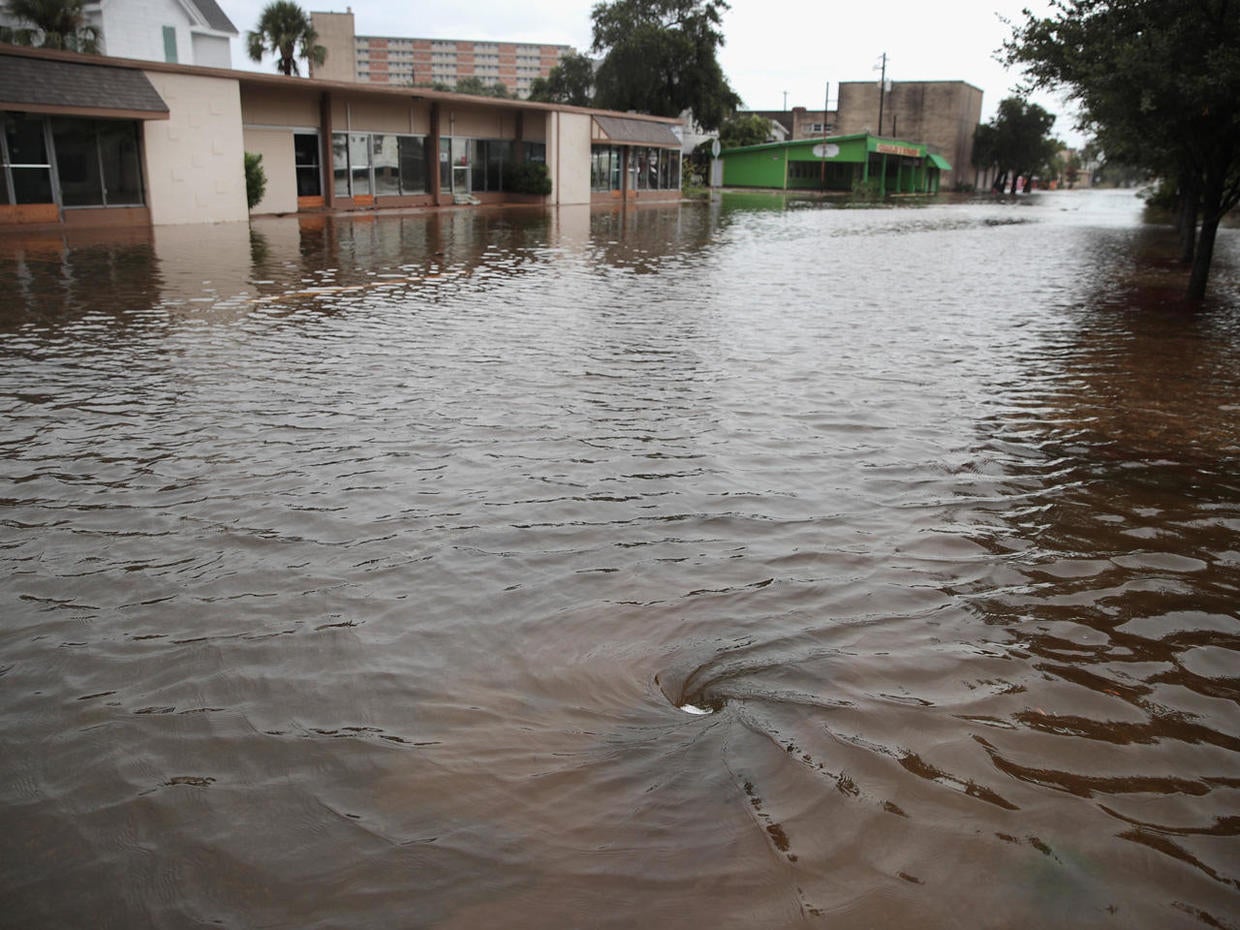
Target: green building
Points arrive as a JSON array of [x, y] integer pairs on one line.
[[840, 163]]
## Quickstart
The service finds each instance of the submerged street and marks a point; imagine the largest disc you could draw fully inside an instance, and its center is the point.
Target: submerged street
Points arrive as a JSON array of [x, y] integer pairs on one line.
[[735, 564]]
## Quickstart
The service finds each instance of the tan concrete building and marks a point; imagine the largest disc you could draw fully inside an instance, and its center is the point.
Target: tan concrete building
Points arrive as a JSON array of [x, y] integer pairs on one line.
[[408, 61], [943, 114]]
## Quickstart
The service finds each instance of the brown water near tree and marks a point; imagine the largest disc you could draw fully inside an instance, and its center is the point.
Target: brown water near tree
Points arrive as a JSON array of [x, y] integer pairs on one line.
[[730, 565]]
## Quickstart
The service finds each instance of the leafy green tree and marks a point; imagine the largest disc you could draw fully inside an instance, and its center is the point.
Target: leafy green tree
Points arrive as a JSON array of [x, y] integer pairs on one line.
[[284, 29], [1158, 82], [58, 24], [744, 129], [1016, 141], [571, 82], [255, 179], [472, 84], [661, 58]]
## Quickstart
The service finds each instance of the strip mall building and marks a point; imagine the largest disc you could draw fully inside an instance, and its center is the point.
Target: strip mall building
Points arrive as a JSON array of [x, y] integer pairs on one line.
[[94, 141]]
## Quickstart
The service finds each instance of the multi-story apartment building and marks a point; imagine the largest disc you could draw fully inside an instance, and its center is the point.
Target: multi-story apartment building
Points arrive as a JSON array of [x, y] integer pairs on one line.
[[407, 61]]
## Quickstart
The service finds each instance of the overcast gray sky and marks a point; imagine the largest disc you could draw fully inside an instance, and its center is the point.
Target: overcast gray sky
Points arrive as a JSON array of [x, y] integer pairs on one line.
[[772, 46]]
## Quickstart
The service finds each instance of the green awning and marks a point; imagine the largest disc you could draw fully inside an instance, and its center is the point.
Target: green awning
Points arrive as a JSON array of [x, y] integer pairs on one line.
[[938, 161]]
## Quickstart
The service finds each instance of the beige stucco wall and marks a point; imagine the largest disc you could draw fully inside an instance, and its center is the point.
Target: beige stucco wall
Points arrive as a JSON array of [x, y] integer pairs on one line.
[[568, 157], [474, 122], [535, 126], [943, 114], [375, 114], [278, 106], [279, 165], [194, 160]]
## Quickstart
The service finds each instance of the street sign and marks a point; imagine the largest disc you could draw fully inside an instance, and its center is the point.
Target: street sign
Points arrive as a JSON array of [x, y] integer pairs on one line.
[[714, 149], [826, 150]]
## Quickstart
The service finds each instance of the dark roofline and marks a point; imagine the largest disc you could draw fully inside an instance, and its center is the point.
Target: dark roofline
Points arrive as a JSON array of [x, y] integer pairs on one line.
[[818, 140], [956, 81], [259, 78], [216, 18]]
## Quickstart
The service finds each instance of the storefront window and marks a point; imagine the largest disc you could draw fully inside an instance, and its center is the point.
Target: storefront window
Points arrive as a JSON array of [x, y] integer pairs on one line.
[[386, 165], [381, 164], [97, 162], [77, 160], [340, 163], [25, 159], [604, 168]]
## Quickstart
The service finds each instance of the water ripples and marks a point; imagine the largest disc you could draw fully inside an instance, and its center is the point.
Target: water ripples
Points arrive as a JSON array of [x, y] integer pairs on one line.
[[727, 564]]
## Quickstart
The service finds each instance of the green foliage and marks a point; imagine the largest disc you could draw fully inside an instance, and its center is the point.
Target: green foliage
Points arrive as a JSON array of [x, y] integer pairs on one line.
[[529, 177], [59, 24], [661, 58], [255, 179], [477, 87], [1158, 82], [1016, 140], [571, 82], [744, 129], [284, 29]]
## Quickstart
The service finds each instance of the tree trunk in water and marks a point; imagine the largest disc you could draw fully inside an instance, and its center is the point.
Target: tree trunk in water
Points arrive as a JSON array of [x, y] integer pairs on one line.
[[1186, 219], [1204, 255], [1211, 213]]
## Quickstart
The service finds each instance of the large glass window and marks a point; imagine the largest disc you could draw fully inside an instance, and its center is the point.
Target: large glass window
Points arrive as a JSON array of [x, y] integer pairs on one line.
[[652, 169], [77, 160], [386, 165], [604, 168], [380, 164], [26, 164], [340, 163], [96, 163], [120, 161]]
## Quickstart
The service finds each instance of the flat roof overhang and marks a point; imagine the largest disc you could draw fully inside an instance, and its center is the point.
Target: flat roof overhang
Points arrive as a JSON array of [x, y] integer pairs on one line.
[[626, 131]]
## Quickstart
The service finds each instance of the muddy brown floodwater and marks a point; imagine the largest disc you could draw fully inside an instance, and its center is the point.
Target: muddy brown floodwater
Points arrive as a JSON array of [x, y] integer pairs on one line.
[[730, 565]]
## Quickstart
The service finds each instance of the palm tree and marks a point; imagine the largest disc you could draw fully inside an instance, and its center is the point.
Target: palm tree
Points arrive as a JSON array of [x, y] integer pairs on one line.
[[53, 24], [284, 30]]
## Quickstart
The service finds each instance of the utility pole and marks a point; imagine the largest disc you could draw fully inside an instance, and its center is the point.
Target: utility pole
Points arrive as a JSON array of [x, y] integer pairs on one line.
[[822, 162], [785, 101], [882, 93]]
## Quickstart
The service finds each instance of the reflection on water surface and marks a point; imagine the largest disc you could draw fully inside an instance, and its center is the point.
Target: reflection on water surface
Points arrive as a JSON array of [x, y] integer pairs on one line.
[[361, 573]]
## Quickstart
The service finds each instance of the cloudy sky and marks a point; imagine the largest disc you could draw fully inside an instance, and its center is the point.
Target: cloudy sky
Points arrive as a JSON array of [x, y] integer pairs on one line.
[[773, 46]]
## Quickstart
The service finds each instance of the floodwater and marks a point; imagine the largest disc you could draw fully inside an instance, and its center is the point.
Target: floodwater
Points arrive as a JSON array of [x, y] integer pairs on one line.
[[730, 565]]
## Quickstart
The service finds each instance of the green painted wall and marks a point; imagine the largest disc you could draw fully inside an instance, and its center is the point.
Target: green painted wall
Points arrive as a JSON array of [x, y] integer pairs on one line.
[[902, 169], [757, 167]]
